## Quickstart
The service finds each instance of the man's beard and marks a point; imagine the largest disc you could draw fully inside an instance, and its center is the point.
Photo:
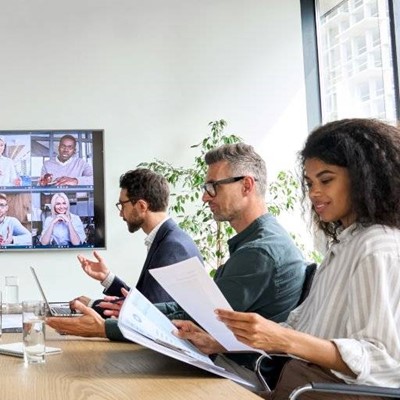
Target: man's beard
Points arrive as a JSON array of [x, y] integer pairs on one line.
[[225, 216], [135, 225], [220, 216]]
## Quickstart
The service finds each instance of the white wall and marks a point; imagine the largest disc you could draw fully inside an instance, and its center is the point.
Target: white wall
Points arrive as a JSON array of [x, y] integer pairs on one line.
[[153, 74]]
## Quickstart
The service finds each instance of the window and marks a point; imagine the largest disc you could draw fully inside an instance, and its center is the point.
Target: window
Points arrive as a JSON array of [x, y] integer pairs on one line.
[[355, 59], [360, 43], [364, 92]]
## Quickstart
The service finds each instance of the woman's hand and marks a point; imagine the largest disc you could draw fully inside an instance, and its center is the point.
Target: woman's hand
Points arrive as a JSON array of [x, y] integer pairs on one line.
[[260, 333], [61, 218], [254, 330]]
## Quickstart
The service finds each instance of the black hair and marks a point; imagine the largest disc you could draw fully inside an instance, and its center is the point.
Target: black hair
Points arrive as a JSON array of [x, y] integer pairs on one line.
[[370, 151], [144, 184], [68, 136]]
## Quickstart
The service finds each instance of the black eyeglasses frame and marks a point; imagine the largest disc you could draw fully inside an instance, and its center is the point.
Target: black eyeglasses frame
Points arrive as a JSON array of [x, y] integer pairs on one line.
[[208, 185], [120, 204]]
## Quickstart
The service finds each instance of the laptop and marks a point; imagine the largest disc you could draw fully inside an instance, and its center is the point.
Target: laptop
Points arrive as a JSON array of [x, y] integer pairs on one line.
[[61, 309]]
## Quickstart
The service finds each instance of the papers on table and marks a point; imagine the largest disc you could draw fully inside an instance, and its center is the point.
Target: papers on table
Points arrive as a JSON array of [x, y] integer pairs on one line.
[[17, 349], [141, 322], [12, 322]]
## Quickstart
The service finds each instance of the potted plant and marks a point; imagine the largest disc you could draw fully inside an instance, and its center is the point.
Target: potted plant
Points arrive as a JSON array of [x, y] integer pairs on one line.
[[194, 216]]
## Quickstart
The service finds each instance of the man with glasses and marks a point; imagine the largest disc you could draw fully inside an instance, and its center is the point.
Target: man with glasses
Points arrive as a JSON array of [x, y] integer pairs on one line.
[[142, 204], [12, 232], [264, 272], [66, 169]]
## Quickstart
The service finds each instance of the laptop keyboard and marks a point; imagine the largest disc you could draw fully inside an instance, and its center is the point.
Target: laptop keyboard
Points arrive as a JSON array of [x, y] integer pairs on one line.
[[61, 310]]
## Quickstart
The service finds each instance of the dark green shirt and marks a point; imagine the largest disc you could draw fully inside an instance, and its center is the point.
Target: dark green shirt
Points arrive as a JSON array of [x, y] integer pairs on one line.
[[264, 274]]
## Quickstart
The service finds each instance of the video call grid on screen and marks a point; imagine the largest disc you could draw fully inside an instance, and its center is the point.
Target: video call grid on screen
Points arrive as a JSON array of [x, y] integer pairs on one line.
[[29, 187]]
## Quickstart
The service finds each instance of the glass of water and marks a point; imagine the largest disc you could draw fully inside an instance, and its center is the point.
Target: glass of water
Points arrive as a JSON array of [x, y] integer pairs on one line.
[[33, 323], [11, 292]]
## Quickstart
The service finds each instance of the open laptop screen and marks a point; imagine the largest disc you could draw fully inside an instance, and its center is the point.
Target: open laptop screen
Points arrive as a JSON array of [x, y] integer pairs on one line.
[[61, 310]]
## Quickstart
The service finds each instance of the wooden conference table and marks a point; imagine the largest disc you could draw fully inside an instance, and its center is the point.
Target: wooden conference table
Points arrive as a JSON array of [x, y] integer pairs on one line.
[[91, 369]]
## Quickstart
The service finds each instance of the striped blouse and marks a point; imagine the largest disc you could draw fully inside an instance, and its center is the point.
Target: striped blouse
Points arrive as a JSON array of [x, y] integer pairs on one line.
[[355, 302]]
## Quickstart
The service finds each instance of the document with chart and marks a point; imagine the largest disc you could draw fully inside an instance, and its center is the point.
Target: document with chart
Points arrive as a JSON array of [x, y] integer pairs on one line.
[[141, 322]]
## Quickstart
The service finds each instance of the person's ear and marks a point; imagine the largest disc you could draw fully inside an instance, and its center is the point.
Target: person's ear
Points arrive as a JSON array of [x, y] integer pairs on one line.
[[143, 205], [248, 184]]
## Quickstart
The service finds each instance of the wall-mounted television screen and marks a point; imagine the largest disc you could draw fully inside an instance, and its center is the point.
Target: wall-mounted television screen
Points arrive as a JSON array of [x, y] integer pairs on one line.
[[52, 189]]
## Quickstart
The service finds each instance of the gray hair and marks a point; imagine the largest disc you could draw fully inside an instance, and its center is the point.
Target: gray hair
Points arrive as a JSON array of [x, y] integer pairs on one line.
[[243, 160]]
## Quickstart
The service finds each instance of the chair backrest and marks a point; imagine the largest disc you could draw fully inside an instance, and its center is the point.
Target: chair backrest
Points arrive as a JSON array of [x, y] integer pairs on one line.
[[308, 278], [358, 391]]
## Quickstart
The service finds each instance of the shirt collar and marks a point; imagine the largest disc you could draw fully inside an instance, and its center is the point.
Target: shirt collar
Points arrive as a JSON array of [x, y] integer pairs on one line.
[[348, 233], [64, 163], [237, 240], [148, 241], [344, 237]]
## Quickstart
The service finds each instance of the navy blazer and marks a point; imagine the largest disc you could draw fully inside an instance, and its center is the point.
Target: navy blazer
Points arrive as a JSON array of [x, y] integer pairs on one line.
[[171, 245]]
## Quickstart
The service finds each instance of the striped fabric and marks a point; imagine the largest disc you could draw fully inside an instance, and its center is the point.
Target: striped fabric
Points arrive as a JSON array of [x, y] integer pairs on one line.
[[355, 302]]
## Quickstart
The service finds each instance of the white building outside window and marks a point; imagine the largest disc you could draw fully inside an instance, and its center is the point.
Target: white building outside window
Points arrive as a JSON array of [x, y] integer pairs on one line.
[[355, 59]]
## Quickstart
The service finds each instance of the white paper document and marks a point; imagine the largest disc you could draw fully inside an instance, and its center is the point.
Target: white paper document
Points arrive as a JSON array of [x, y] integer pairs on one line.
[[193, 289], [141, 322], [17, 349], [12, 321]]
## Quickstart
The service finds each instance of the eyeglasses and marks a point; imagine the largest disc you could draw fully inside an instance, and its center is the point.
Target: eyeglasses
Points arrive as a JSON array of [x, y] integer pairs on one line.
[[120, 204], [3, 205], [211, 187]]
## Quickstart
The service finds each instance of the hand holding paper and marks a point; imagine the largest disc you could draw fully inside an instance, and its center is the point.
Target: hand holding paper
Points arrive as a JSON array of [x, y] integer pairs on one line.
[[200, 338], [141, 322], [191, 287]]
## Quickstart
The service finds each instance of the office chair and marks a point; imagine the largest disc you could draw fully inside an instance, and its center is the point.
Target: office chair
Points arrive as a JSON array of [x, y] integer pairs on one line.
[[344, 388], [308, 278]]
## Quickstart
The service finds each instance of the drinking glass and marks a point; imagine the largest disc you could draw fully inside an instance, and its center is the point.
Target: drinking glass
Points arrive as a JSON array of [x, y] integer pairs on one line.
[[33, 323], [11, 290]]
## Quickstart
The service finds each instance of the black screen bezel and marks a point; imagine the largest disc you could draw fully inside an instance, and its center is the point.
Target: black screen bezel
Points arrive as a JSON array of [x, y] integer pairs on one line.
[[97, 189]]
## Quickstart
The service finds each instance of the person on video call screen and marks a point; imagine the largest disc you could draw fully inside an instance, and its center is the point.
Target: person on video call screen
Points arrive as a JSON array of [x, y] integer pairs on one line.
[[66, 169], [12, 232], [62, 228]]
